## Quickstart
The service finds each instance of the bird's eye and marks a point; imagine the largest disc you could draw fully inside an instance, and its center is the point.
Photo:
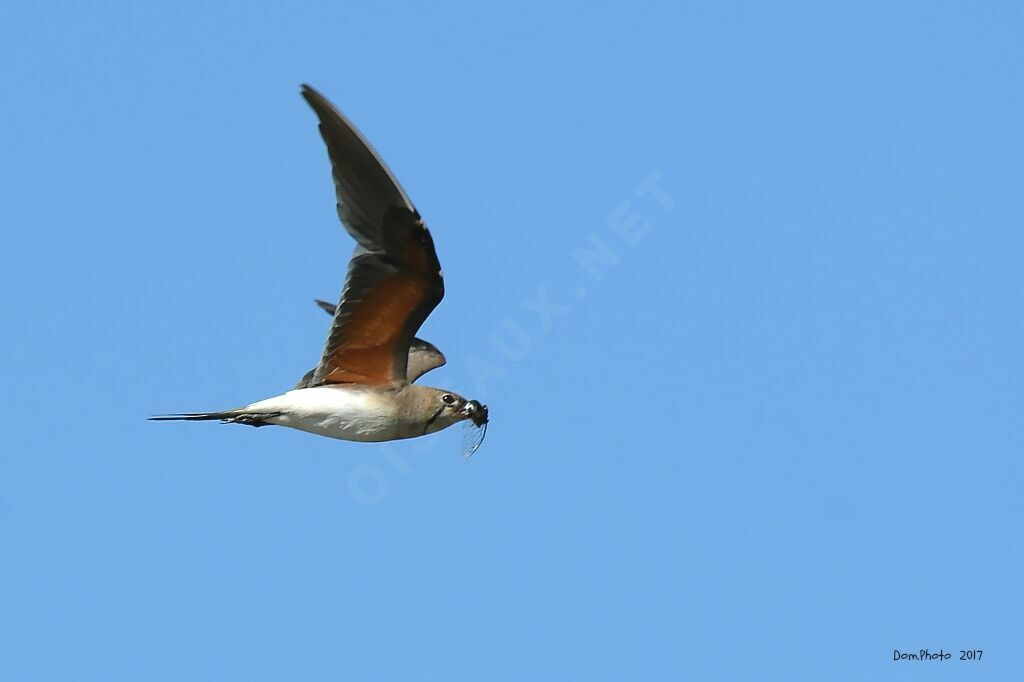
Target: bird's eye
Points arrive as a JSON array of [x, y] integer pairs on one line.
[[448, 399]]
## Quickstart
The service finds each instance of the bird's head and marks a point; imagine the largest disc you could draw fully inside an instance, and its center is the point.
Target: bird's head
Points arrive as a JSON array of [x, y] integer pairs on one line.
[[444, 408], [449, 408]]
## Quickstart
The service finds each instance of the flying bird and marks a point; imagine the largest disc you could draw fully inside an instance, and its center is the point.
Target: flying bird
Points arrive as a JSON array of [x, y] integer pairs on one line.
[[362, 389]]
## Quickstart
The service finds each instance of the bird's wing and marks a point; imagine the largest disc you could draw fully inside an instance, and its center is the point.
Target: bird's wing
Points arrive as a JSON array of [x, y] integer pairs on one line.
[[394, 278], [423, 355], [327, 307]]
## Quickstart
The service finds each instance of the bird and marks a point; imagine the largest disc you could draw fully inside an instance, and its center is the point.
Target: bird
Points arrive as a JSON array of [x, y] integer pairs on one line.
[[363, 387]]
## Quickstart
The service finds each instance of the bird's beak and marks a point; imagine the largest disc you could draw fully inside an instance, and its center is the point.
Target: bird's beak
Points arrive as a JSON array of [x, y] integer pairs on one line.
[[475, 411]]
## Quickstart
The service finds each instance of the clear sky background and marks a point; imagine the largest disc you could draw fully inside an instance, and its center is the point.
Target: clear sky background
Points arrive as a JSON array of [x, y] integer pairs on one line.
[[778, 437]]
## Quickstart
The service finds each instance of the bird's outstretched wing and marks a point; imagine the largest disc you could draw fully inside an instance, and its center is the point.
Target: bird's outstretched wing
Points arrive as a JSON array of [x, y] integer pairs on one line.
[[423, 355], [394, 278]]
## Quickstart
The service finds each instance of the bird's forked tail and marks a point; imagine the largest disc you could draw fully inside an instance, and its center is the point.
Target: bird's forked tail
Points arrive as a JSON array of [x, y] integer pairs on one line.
[[228, 417]]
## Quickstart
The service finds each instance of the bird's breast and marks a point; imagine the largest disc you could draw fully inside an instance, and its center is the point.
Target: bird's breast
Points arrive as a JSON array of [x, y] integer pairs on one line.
[[339, 411]]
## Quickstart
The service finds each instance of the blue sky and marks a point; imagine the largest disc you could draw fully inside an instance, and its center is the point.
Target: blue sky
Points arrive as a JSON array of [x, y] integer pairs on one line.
[[775, 434]]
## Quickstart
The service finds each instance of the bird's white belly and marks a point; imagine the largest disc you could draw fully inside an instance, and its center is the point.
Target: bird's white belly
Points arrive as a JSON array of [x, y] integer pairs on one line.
[[333, 411]]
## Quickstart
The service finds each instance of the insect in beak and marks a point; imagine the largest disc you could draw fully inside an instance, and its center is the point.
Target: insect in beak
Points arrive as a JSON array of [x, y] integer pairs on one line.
[[475, 429], [474, 411]]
